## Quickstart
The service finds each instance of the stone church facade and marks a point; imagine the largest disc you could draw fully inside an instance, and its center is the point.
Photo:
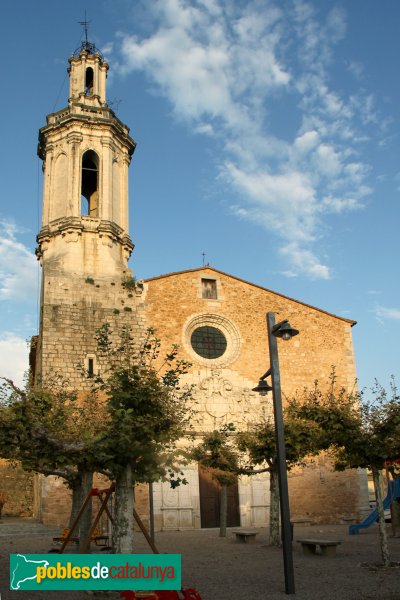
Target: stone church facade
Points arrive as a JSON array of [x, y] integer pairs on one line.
[[217, 319]]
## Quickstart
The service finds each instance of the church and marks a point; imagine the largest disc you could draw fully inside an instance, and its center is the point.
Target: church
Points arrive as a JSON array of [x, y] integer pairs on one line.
[[217, 319]]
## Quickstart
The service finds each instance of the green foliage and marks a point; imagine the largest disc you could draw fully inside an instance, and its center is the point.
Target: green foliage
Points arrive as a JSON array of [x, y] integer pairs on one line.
[[302, 438], [147, 409], [47, 429], [133, 414], [89, 280], [217, 454], [359, 431], [129, 283]]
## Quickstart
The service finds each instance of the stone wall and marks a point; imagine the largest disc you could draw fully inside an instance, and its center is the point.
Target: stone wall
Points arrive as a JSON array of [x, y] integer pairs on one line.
[[55, 501], [73, 309], [172, 301], [323, 495], [175, 307], [18, 485]]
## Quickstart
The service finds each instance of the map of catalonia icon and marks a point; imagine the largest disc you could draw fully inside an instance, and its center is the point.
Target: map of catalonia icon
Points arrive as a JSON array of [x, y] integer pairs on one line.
[[23, 569]]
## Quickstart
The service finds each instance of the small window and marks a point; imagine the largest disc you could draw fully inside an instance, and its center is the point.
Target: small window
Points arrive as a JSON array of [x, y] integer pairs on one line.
[[90, 367], [209, 288]]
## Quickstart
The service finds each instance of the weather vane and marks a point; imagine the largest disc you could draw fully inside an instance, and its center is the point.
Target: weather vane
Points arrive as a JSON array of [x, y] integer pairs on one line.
[[85, 25], [203, 255], [87, 46]]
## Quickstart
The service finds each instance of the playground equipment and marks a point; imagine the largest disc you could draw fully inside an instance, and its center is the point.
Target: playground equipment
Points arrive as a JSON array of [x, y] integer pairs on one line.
[[393, 493], [93, 535]]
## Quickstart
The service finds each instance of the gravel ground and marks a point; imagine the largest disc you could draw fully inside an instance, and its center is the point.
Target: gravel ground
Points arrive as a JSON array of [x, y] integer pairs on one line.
[[223, 569]]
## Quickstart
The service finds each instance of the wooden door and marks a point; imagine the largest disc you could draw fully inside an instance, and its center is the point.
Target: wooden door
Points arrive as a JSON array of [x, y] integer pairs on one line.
[[210, 494]]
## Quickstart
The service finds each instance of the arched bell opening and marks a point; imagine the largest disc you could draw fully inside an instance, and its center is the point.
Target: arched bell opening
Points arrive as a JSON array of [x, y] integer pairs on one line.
[[89, 186], [89, 78]]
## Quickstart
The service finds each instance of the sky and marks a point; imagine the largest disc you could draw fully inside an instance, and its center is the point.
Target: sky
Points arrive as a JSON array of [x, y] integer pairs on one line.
[[267, 138]]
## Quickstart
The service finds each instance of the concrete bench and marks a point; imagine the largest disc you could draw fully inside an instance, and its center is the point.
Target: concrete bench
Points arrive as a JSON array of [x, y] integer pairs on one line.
[[328, 547], [245, 536]]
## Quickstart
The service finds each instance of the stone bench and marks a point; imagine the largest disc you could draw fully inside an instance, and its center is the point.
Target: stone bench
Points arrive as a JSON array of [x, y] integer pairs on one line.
[[245, 536], [328, 547]]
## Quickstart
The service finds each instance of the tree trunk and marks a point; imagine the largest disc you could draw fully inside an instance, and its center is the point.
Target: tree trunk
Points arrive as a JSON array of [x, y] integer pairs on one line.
[[395, 515], [123, 516], [77, 500], [223, 514], [81, 486], [86, 519], [274, 537], [376, 474]]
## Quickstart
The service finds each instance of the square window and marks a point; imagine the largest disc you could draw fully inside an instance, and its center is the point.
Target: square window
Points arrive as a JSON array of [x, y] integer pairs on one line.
[[209, 289]]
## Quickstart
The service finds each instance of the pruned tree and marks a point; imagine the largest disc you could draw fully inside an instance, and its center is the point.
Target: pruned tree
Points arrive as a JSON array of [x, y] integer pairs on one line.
[[302, 439], [359, 431], [126, 426], [51, 431], [217, 454], [148, 412]]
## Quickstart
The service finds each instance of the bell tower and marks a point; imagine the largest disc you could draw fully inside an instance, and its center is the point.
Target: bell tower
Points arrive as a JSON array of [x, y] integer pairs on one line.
[[86, 151], [83, 243]]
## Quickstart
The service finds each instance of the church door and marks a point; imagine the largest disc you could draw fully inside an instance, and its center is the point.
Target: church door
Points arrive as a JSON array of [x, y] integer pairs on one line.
[[210, 494]]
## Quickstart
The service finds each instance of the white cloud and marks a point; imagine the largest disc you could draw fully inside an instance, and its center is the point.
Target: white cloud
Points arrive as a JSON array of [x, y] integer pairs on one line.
[[383, 313], [284, 202], [356, 68], [304, 262], [340, 205], [18, 266], [221, 66], [306, 142], [14, 355]]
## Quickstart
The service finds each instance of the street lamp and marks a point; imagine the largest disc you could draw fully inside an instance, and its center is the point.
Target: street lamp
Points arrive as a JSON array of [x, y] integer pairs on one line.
[[286, 332]]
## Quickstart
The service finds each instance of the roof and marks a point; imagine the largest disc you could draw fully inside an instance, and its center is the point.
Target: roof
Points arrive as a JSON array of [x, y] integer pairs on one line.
[[209, 268]]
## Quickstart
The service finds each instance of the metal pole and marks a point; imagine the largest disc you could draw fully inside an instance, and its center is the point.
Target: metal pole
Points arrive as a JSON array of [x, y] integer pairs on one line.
[[281, 454]]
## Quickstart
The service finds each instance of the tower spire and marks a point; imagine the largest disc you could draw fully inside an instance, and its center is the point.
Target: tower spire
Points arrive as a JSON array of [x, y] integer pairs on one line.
[[87, 46], [85, 25]]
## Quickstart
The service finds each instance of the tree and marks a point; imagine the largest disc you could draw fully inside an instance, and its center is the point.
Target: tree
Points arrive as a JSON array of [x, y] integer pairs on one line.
[[125, 426], [148, 412], [301, 440], [359, 432], [51, 431], [219, 457]]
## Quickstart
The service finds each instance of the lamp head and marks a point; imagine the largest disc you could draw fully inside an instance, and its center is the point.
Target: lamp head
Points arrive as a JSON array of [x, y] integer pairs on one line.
[[262, 388], [284, 330]]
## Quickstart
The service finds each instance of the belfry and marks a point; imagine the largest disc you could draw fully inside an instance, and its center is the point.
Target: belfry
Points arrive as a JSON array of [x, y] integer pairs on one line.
[[83, 243]]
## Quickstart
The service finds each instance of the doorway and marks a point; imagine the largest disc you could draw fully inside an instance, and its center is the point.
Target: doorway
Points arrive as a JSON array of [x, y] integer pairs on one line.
[[210, 501]]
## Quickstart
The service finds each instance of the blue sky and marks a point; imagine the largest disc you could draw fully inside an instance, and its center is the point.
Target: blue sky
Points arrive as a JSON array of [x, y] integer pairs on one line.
[[268, 137]]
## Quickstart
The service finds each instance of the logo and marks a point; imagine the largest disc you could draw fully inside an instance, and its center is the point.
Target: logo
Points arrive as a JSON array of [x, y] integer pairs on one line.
[[95, 572]]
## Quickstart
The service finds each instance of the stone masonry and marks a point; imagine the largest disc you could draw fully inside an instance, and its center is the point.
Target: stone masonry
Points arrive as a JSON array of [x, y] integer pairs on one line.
[[175, 306]]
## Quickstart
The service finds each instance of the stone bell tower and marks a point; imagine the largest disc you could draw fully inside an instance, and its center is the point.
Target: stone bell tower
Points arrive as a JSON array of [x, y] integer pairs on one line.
[[83, 243]]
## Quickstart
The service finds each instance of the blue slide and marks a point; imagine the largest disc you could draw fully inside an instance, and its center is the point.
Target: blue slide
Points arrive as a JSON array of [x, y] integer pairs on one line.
[[393, 492]]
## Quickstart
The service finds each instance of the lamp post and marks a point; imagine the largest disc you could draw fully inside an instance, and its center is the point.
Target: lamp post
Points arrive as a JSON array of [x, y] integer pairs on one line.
[[286, 332]]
